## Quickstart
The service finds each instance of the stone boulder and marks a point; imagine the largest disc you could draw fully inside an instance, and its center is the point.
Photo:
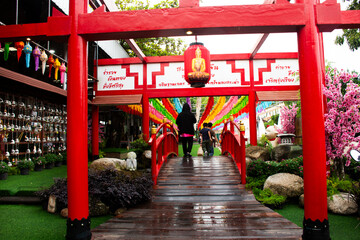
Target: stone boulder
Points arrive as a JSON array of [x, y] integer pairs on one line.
[[301, 201], [285, 184], [342, 203], [147, 154], [64, 213], [120, 164], [257, 152], [103, 163], [281, 152]]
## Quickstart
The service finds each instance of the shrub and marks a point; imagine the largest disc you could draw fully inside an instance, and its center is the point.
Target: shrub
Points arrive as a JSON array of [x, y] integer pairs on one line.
[[335, 185], [269, 199], [25, 164], [4, 168], [115, 189], [59, 158], [39, 160], [252, 183], [50, 158], [261, 169]]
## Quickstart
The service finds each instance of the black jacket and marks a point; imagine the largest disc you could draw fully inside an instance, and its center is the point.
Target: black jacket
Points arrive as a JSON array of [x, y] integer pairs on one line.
[[186, 120]]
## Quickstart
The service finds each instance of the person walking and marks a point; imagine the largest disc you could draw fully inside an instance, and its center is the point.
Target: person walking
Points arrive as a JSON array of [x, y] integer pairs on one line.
[[185, 121], [214, 139], [205, 139]]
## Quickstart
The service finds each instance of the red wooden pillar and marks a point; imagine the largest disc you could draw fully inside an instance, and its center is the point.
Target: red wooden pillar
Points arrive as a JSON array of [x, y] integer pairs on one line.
[[153, 155], [95, 132], [252, 118], [316, 225], [243, 153], [78, 223], [145, 117]]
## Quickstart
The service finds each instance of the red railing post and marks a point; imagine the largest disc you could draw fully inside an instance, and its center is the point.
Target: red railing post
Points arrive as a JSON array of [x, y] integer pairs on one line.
[[242, 153], [165, 143], [153, 154]]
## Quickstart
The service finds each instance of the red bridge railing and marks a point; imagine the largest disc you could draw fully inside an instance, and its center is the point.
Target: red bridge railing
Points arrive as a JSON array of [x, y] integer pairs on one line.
[[164, 143], [233, 144]]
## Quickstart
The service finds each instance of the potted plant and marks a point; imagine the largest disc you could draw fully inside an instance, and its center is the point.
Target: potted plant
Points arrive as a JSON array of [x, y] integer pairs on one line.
[[59, 160], [25, 166], [50, 159], [39, 163], [4, 169]]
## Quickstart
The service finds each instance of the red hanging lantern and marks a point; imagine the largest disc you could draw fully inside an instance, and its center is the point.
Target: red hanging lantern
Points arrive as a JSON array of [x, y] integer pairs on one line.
[[197, 65]]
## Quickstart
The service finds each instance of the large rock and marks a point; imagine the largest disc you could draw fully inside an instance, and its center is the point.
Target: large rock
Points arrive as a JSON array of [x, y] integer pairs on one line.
[[342, 203], [64, 213], [103, 163], [282, 152], [301, 201], [285, 184], [257, 152], [106, 163], [51, 204]]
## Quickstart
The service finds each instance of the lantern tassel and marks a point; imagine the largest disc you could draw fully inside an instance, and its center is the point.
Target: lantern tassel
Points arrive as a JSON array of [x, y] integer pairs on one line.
[[27, 51], [6, 50], [62, 72], [36, 54], [43, 59], [56, 66]]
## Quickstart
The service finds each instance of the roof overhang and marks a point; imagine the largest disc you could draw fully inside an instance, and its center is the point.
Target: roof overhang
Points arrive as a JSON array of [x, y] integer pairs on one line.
[[292, 95], [31, 81], [117, 100]]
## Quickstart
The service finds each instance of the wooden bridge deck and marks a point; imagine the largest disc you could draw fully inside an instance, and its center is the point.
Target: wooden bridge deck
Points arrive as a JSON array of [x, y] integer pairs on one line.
[[200, 198]]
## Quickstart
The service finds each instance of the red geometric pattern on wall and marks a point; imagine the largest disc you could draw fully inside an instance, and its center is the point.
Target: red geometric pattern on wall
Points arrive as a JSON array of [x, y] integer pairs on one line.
[[238, 70], [159, 73], [130, 74], [262, 70]]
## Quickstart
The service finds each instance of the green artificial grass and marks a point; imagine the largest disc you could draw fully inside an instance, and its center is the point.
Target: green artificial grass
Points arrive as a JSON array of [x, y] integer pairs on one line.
[[33, 223], [195, 149], [27, 184], [341, 226]]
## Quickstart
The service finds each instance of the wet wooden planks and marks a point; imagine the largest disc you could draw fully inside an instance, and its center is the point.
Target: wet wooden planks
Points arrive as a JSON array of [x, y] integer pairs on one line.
[[201, 198]]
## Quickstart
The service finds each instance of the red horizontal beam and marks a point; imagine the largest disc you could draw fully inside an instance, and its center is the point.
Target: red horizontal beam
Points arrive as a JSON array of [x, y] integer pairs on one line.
[[330, 17], [214, 57], [55, 27], [200, 20]]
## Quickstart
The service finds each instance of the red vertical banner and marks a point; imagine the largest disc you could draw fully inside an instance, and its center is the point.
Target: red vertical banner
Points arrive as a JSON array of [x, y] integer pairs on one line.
[[316, 225]]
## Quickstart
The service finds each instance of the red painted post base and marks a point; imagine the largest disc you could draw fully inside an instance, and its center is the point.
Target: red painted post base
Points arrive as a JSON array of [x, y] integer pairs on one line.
[[78, 229], [316, 230]]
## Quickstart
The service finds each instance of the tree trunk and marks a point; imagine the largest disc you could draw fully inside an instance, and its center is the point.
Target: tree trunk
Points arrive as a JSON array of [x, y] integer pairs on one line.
[[339, 164]]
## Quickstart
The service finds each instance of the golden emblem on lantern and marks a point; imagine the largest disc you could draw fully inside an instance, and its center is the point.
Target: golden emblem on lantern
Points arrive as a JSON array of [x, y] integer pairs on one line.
[[197, 65]]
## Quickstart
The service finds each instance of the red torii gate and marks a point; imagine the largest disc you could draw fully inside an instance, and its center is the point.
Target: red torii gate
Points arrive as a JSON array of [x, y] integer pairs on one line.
[[308, 18]]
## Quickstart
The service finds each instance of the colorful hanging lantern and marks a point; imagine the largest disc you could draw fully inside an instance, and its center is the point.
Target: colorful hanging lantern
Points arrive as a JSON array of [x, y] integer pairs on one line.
[[6, 50], [50, 61], [62, 72], [43, 59], [197, 65], [19, 46], [36, 53], [56, 66], [27, 51]]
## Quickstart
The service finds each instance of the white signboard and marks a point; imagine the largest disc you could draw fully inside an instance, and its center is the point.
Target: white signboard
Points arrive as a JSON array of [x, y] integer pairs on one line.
[[120, 77], [234, 73], [276, 72]]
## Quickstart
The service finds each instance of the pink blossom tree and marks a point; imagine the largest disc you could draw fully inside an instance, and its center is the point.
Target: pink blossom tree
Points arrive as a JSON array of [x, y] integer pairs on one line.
[[287, 118], [342, 120]]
